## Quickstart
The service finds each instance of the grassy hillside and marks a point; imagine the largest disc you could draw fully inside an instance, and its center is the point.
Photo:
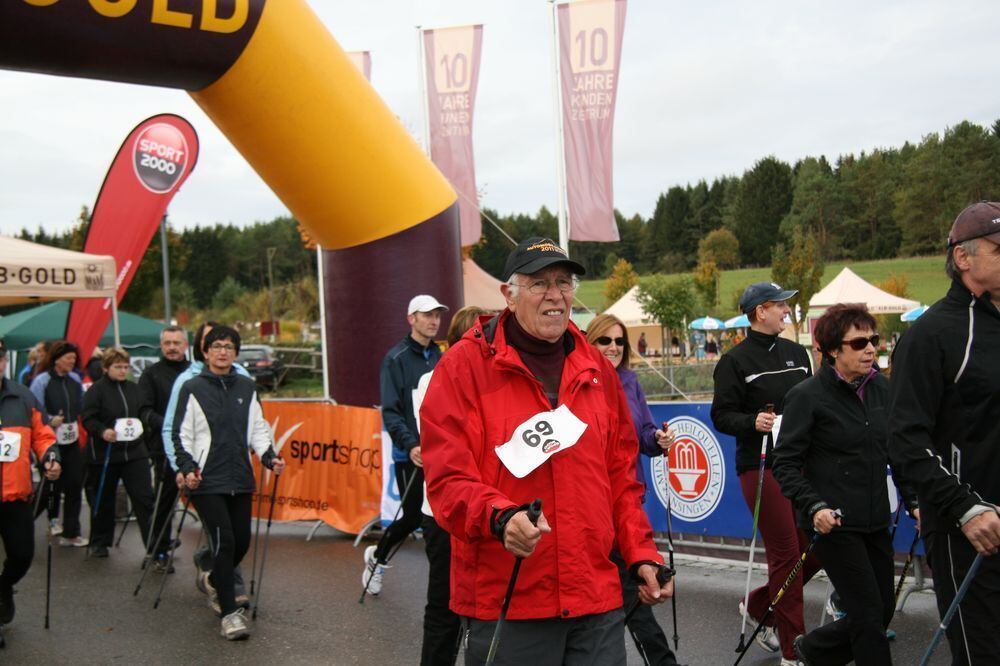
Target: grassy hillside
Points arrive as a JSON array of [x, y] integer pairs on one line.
[[927, 281]]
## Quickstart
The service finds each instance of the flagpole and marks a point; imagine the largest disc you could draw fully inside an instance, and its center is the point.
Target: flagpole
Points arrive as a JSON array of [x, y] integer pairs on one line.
[[560, 154], [422, 78], [321, 292]]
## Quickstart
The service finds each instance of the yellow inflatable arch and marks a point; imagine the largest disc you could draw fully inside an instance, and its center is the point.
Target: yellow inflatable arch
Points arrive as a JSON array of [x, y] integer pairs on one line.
[[281, 89]]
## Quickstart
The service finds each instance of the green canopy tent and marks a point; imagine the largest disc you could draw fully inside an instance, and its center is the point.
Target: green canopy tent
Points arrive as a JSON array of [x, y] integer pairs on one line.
[[21, 330]]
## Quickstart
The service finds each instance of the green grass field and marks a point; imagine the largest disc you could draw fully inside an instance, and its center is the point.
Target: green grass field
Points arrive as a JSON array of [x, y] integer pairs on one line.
[[927, 281]]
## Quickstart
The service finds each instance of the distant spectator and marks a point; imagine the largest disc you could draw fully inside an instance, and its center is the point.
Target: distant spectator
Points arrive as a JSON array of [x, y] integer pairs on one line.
[[95, 369], [640, 345], [34, 356], [711, 347]]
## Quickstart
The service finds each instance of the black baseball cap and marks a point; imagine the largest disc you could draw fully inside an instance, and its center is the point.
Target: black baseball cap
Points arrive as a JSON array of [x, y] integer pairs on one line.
[[762, 292], [534, 254], [980, 220]]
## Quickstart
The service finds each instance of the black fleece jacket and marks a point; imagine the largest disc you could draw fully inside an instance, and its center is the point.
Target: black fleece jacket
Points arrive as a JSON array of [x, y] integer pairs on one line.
[[104, 403], [944, 407], [155, 385], [757, 372], [833, 450]]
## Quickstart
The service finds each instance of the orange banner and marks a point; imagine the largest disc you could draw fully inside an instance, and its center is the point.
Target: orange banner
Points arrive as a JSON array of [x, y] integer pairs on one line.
[[333, 463]]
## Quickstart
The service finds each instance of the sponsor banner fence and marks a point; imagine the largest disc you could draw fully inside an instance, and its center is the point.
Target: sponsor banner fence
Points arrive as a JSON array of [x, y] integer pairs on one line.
[[590, 48], [706, 497], [333, 463]]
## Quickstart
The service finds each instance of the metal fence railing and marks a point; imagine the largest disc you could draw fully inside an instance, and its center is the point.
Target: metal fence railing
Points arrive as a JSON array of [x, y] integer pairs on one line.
[[670, 381]]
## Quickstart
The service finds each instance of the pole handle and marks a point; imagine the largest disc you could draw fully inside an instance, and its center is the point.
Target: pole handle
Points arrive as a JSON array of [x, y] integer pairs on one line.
[[535, 511]]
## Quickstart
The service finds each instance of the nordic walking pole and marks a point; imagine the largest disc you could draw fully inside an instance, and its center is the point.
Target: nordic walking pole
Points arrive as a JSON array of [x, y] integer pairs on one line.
[[753, 540], [100, 484], [48, 556], [784, 588], [267, 538], [670, 537], [148, 559], [128, 519], [951, 609], [663, 574], [906, 565], [534, 511], [156, 507], [402, 501], [170, 558], [256, 536]]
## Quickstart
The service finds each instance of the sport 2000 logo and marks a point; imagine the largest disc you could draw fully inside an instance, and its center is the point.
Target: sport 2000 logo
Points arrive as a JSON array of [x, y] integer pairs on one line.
[[697, 470]]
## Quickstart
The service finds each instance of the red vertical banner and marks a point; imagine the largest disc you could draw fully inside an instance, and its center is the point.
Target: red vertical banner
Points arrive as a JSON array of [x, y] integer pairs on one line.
[[451, 61], [363, 61], [151, 165], [590, 48]]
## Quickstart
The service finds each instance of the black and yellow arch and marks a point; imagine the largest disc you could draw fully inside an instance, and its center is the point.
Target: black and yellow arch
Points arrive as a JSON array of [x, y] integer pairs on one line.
[[281, 89]]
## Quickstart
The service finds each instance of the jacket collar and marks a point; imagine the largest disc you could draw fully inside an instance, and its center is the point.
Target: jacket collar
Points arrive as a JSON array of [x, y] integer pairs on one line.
[[960, 295], [416, 346], [762, 339]]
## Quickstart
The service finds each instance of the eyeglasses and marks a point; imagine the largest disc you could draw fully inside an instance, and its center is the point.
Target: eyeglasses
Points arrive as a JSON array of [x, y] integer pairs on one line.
[[605, 341], [565, 285], [857, 344], [218, 346]]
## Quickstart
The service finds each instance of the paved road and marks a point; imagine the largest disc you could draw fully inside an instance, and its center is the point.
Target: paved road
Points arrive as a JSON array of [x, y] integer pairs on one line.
[[309, 611]]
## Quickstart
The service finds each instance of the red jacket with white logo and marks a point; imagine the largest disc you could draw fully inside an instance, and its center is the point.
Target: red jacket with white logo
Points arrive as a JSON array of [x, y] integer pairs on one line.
[[479, 394], [19, 414]]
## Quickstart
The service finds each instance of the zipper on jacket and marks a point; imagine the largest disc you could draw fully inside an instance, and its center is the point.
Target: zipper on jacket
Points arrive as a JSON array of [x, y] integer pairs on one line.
[[124, 402]]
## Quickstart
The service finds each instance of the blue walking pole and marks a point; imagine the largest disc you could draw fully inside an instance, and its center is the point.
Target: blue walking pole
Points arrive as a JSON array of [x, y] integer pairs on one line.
[[946, 620], [100, 484]]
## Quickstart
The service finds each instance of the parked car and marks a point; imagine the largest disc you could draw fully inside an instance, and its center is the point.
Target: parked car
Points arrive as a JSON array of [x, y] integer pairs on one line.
[[262, 364]]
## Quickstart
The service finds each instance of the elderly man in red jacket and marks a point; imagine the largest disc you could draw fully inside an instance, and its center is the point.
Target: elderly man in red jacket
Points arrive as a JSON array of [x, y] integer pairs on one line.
[[523, 408]]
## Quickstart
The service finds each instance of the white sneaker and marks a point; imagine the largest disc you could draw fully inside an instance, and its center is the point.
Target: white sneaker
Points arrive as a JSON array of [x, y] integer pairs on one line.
[[55, 527], [373, 571], [767, 637], [790, 662], [234, 626], [76, 542]]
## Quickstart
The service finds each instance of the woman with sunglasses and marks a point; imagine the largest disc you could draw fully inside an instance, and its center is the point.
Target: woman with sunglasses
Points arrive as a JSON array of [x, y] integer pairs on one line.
[[832, 453], [608, 334]]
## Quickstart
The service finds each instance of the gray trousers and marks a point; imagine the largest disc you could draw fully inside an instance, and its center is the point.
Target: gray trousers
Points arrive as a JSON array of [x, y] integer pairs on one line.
[[590, 640]]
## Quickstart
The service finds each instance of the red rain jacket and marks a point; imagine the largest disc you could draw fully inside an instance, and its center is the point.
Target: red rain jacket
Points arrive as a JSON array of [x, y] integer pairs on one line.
[[479, 393], [18, 414]]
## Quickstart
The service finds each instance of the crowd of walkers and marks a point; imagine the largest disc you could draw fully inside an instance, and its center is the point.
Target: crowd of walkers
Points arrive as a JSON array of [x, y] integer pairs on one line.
[[516, 450], [186, 427]]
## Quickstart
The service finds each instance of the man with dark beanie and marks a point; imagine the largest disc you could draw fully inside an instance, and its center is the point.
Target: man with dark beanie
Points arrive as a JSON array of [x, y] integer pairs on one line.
[[752, 375]]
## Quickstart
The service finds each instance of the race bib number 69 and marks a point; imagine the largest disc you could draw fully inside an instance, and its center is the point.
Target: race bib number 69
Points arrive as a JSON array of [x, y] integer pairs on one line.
[[538, 438]]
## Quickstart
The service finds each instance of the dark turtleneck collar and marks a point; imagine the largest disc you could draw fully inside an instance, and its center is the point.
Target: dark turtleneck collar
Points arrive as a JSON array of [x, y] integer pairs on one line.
[[543, 359], [183, 363], [762, 339]]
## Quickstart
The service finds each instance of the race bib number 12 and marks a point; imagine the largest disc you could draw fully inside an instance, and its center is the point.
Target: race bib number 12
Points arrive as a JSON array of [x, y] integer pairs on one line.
[[10, 446], [538, 438]]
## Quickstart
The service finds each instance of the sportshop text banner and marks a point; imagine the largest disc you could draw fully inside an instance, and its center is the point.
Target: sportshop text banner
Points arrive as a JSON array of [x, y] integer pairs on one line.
[[333, 463]]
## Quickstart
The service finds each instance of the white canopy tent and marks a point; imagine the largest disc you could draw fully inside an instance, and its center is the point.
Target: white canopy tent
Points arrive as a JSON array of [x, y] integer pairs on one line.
[[848, 287], [31, 273], [629, 310]]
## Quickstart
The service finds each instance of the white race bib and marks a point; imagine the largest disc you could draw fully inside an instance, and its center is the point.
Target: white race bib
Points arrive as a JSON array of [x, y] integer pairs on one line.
[[776, 429], [538, 438], [67, 433], [128, 430], [10, 446]]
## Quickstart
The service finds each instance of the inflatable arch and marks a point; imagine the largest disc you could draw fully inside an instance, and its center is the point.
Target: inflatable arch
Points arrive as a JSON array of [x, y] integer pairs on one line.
[[277, 84]]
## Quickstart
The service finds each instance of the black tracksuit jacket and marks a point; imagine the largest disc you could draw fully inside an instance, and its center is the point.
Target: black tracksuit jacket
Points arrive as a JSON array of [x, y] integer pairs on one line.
[[403, 366], [155, 385], [103, 403], [833, 450], [757, 372], [944, 408]]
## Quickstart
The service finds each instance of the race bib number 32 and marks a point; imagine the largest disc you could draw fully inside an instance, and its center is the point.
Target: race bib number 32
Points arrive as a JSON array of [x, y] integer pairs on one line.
[[10, 446], [128, 430], [538, 439]]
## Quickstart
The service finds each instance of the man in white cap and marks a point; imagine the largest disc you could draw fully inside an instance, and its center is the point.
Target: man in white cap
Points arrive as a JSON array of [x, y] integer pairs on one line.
[[403, 366]]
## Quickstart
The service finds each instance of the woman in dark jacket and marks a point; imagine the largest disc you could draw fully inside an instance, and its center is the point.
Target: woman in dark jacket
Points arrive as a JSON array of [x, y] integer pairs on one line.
[[117, 451], [59, 392], [608, 334], [832, 453]]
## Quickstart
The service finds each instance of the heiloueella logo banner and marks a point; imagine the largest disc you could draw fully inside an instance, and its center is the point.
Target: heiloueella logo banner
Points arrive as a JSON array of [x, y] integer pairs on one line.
[[160, 157]]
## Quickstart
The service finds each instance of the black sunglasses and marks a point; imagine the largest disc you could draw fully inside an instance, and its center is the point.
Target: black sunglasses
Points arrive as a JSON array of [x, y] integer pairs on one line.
[[857, 344], [605, 340]]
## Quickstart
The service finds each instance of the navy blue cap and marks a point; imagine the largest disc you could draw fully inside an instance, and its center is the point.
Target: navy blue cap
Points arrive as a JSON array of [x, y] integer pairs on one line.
[[762, 292]]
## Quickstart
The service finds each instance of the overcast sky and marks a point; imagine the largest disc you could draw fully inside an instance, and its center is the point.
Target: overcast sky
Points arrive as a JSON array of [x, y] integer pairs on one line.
[[706, 89]]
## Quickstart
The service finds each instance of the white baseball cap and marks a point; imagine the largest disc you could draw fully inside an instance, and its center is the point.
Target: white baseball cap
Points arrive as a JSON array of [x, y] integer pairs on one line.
[[424, 303]]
